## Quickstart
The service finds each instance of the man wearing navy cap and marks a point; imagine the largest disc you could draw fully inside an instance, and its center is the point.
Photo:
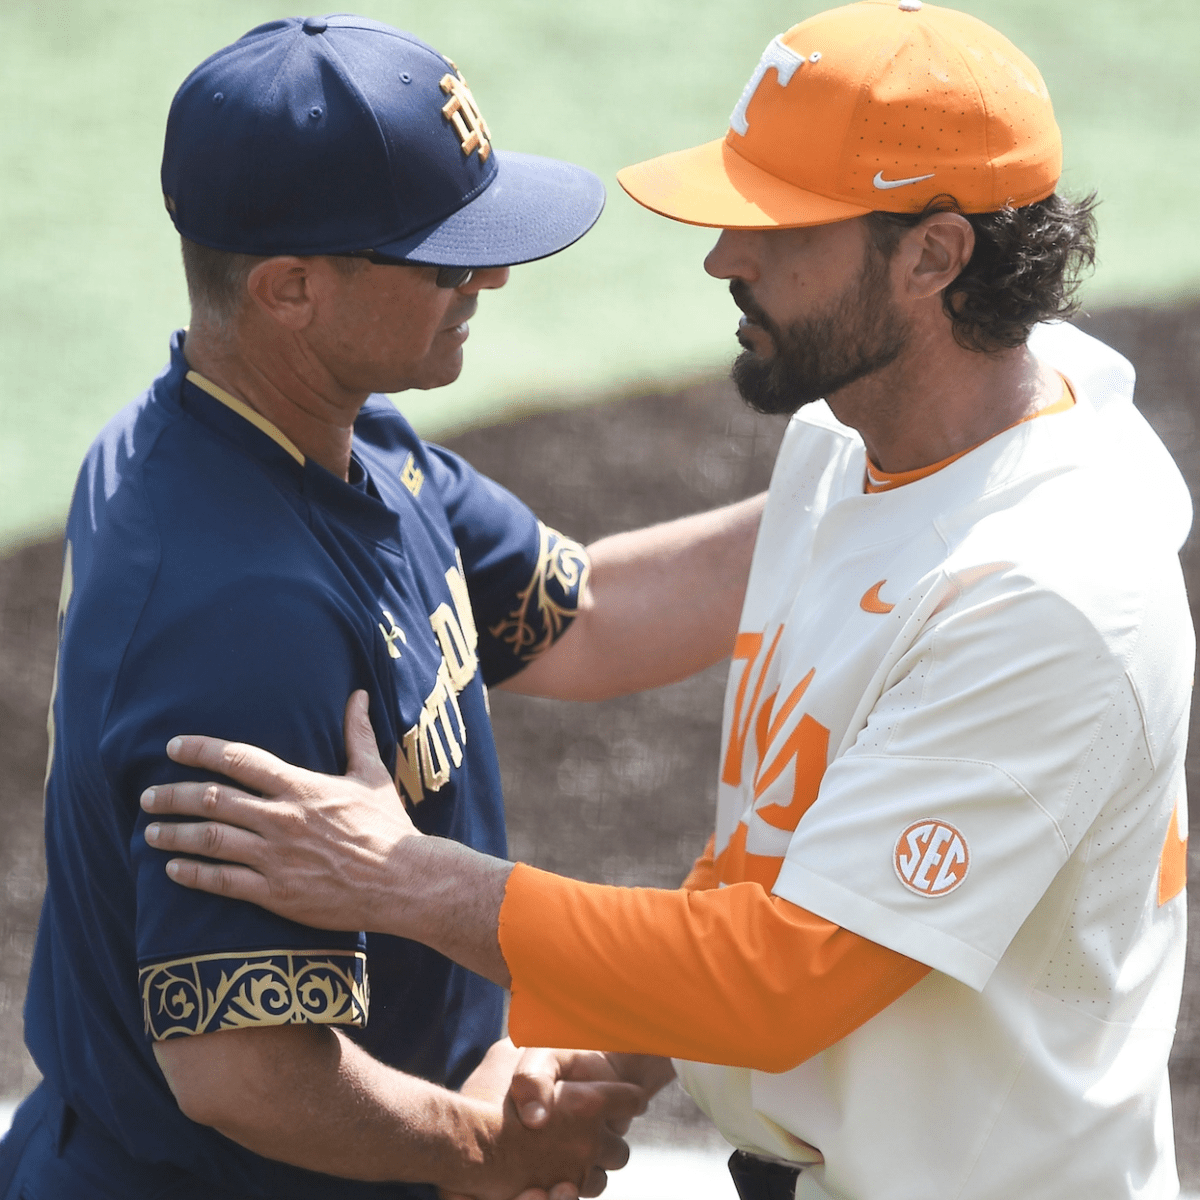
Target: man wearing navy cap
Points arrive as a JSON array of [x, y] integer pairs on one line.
[[258, 535]]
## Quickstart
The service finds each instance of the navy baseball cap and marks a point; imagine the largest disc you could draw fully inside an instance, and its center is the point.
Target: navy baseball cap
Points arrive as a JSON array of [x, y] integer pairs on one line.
[[328, 135]]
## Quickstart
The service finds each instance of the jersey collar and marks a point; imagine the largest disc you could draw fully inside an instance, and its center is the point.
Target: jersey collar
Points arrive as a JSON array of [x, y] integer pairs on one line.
[[244, 410]]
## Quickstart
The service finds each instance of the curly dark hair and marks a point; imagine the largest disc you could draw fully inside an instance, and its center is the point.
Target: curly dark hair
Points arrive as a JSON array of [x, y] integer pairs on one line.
[[1027, 266]]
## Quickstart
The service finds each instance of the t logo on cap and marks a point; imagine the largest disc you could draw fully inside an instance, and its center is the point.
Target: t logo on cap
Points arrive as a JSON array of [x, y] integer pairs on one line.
[[462, 111], [784, 60], [896, 105]]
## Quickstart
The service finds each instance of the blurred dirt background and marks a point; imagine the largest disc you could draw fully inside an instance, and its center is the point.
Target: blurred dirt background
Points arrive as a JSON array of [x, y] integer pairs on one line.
[[621, 791]]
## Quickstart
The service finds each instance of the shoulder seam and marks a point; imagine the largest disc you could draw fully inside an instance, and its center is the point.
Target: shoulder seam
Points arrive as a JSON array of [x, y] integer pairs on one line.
[[978, 762]]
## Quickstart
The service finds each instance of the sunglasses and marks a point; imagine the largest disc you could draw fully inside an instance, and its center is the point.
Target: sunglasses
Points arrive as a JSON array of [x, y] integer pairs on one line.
[[447, 277]]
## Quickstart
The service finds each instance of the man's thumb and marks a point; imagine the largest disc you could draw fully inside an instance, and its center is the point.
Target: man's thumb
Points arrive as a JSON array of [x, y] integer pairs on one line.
[[532, 1095]]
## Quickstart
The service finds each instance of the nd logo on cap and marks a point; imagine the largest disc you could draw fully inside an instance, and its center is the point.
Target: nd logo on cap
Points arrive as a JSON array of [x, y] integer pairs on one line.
[[931, 857]]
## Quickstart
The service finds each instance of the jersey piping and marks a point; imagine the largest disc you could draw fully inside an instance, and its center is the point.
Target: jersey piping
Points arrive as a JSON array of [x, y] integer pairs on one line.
[[244, 410]]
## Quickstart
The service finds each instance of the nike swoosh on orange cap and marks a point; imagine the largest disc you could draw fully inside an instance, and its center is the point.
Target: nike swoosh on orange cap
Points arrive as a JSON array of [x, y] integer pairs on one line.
[[885, 184], [871, 602]]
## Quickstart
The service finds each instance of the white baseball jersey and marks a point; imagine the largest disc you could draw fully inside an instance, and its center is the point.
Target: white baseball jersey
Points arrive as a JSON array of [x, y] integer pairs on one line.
[[955, 725]]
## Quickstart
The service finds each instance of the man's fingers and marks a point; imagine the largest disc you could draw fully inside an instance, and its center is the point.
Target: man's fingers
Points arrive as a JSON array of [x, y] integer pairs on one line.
[[362, 751], [250, 766], [614, 1101], [209, 838], [212, 801], [235, 883], [595, 1183], [613, 1104]]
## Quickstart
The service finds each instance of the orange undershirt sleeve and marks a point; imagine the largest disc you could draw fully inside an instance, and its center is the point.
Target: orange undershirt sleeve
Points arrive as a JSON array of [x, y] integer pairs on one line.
[[704, 873], [733, 976]]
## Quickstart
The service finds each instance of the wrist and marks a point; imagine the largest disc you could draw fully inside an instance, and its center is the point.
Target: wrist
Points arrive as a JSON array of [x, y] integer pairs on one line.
[[471, 1163], [447, 896], [651, 1072], [407, 887]]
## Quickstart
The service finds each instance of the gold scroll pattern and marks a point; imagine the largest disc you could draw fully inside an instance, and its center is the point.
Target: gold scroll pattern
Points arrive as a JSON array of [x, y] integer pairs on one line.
[[547, 606], [234, 991]]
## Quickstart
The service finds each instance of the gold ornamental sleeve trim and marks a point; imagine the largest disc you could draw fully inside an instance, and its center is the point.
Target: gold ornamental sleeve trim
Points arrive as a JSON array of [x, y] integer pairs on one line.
[[211, 992], [546, 607]]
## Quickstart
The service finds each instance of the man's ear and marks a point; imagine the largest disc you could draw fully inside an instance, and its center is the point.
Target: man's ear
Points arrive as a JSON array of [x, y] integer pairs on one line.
[[935, 253], [281, 288]]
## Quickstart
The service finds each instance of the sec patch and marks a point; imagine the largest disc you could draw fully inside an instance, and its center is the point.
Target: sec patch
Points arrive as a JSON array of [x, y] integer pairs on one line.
[[931, 857]]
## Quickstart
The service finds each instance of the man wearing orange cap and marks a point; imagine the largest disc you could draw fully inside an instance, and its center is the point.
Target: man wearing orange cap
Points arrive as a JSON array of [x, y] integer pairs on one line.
[[935, 946]]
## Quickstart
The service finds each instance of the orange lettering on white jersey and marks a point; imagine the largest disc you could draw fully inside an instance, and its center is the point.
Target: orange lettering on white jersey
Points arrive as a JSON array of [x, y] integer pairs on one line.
[[931, 857], [745, 648], [1172, 864], [808, 746], [765, 728]]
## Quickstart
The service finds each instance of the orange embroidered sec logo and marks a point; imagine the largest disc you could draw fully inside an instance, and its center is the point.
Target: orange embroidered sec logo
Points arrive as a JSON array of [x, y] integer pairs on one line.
[[931, 857]]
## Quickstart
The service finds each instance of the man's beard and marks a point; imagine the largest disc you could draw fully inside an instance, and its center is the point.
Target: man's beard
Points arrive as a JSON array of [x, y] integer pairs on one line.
[[859, 334]]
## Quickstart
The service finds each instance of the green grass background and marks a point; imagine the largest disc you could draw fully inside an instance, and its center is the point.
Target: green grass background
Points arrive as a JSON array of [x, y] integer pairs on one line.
[[90, 285]]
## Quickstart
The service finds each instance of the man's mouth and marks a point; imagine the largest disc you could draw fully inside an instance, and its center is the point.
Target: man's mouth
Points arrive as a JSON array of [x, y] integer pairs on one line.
[[462, 328], [752, 335], [752, 326]]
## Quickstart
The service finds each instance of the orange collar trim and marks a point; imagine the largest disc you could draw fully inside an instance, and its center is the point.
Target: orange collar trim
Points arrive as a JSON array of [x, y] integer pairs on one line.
[[877, 480]]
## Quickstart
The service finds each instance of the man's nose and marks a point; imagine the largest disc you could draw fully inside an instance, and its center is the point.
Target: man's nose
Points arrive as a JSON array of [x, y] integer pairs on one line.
[[485, 277], [732, 257]]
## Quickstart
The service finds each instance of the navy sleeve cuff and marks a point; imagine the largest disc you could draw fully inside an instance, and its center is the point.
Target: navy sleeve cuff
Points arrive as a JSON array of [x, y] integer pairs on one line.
[[211, 992]]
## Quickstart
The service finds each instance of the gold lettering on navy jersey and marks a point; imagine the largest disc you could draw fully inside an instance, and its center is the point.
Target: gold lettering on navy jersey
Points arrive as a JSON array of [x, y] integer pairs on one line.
[[429, 749], [391, 636], [434, 745], [412, 476], [463, 113], [457, 583], [458, 656]]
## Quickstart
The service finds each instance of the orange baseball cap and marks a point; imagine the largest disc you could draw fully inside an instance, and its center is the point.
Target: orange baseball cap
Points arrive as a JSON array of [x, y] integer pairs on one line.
[[881, 105]]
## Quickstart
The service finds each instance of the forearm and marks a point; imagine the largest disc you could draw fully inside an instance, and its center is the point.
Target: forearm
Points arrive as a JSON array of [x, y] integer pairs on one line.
[[663, 603], [734, 976], [308, 1096]]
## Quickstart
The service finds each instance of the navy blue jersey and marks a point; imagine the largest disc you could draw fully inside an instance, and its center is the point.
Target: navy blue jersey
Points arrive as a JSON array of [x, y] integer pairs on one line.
[[217, 582]]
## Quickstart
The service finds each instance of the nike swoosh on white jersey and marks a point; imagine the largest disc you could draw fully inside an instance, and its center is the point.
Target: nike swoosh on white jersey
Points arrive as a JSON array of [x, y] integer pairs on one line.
[[885, 184]]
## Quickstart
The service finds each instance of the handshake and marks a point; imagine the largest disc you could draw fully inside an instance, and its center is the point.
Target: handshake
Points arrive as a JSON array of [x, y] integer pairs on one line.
[[554, 1120]]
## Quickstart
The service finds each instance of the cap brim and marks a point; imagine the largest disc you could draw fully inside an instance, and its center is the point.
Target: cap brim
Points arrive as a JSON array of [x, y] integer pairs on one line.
[[714, 185], [534, 207]]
